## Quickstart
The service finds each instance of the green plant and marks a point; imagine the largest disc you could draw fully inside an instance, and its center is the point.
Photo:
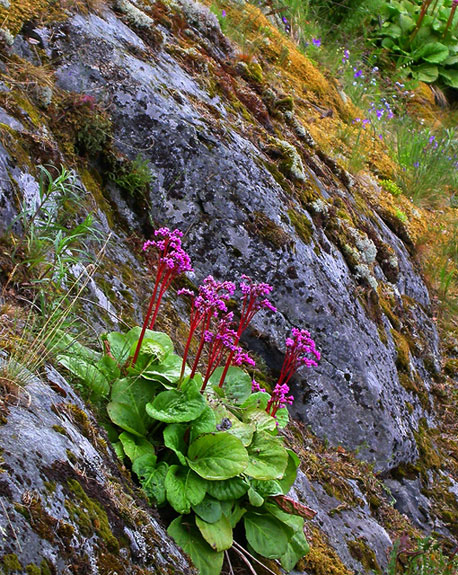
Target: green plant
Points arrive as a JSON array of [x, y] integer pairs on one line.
[[50, 243], [132, 176], [423, 557]]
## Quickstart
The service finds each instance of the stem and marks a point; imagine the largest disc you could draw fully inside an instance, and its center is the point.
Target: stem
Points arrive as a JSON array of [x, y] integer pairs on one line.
[[450, 20], [226, 367], [194, 324], [424, 8], [166, 281], [205, 327]]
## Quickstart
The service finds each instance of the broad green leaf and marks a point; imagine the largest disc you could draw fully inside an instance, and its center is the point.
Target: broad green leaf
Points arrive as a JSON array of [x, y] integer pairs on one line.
[[66, 344], [153, 336], [109, 367], [152, 477], [237, 385], [227, 490], [282, 417], [218, 534], [177, 405], [120, 345], [406, 23], [174, 440], [262, 420], [450, 77], [294, 522], [209, 509], [151, 353], [388, 43], [257, 400], [290, 474], [183, 488], [244, 431], [425, 72], [392, 30], [188, 537], [136, 394], [168, 370], [451, 60], [226, 507], [123, 415], [134, 446], [267, 488], [237, 514], [217, 456], [255, 498], [297, 548], [205, 423], [118, 449], [94, 379], [433, 52], [266, 534], [268, 457]]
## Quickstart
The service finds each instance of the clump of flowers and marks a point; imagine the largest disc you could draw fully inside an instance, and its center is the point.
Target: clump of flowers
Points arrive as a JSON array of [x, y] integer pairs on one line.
[[171, 261], [300, 350]]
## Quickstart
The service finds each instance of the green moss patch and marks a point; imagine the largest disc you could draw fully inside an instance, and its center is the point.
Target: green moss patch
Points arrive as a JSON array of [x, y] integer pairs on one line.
[[302, 225]]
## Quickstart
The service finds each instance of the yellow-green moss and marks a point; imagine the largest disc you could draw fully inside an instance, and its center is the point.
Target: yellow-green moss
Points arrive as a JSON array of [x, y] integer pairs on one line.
[[40, 520], [360, 551], [89, 516], [402, 351], [32, 569], [301, 224], [60, 429], [322, 558], [429, 456], [268, 230], [11, 563]]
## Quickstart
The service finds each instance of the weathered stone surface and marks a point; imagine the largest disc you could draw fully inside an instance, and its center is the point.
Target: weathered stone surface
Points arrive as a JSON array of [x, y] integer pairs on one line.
[[64, 499]]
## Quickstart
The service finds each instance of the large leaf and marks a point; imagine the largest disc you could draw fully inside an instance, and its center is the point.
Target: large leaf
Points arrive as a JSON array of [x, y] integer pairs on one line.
[[205, 423], [209, 509], [262, 420], [296, 549], [267, 488], [290, 474], [174, 440], [267, 535], [67, 345], [94, 379], [150, 336], [188, 537], [177, 405], [184, 488], [282, 417], [218, 534], [134, 446], [257, 400], [109, 367], [268, 457], [120, 345], [152, 477], [237, 384], [450, 77], [433, 52], [425, 72], [168, 370], [136, 394], [227, 490], [126, 417], [255, 498], [217, 456]]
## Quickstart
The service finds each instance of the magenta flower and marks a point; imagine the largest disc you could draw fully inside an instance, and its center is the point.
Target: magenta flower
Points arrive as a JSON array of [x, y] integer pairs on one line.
[[171, 261]]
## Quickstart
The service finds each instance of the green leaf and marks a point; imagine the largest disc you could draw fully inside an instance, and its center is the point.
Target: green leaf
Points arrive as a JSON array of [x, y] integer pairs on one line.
[[218, 534], [406, 23], [174, 440], [168, 370], [237, 514], [188, 537], [120, 345], [237, 385], [227, 490], [451, 60], [209, 509], [294, 522], [150, 336], [282, 417], [257, 400], [205, 423], [152, 477], [134, 446], [290, 474], [266, 534], [433, 52], [94, 379], [243, 431], [388, 43], [267, 488], [450, 77], [255, 498], [126, 417], [109, 367], [425, 73], [217, 456], [177, 405], [297, 548], [66, 344], [117, 446], [262, 420], [183, 488], [134, 393], [268, 457]]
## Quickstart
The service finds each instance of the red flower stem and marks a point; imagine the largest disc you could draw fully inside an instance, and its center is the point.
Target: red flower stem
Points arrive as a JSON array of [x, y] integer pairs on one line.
[[450, 20], [205, 327], [194, 324], [166, 281], [213, 361]]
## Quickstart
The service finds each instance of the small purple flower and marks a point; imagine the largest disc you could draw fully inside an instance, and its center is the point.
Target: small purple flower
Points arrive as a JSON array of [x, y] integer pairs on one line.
[[416, 164], [223, 13], [358, 73], [316, 42]]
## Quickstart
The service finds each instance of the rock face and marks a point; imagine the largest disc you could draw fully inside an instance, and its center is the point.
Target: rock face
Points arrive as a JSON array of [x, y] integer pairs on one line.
[[66, 506], [279, 210]]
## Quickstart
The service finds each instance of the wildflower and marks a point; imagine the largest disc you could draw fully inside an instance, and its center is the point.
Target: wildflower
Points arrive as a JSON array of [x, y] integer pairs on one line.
[[316, 42], [171, 261], [358, 73], [300, 350], [256, 387], [346, 56], [223, 13]]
